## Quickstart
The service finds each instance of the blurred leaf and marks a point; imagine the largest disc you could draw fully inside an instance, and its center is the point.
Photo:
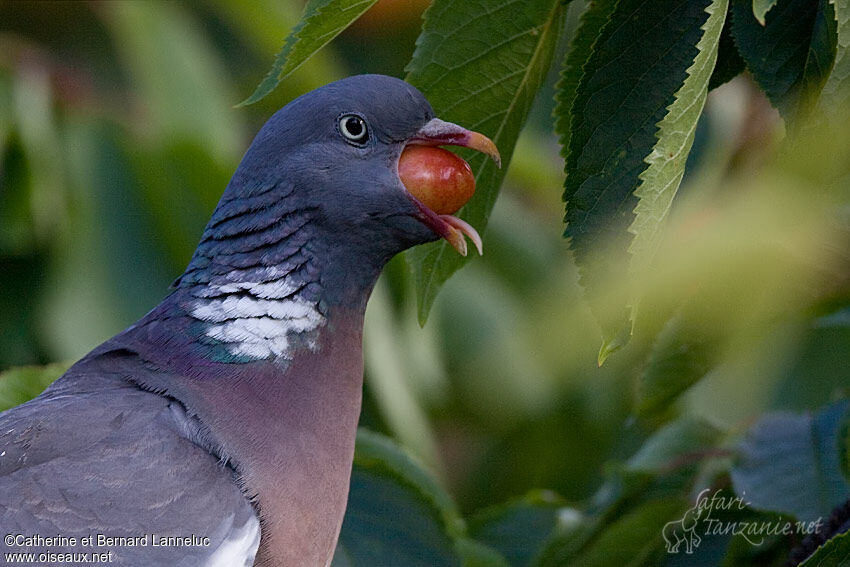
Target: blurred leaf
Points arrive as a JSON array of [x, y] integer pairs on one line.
[[21, 384], [35, 125], [630, 495], [821, 55], [790, 464], [177, 72], [480, 64], [574, 531], [20, 335], [684, 351], [518, 529], [397, 514], [632, 540], [387, 370], [179, 193], [636, 66], [476, 554], [112, 264], [762, 7], [262, 24], [844, 445], [660, 181], [818, 373], [675, 444], [793, 51], [321, 21], [6, 115], [836, 91], [833, 553]]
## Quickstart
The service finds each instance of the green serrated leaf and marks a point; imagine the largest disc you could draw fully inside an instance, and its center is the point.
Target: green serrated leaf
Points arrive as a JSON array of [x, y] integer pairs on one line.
[[321, 21], [592, 20], [480, 64], [729, 62], [660, 181], [836, 91], [792, 54], [397, 514], [762, 7], [635, 67], [834, 553], [18, 385]]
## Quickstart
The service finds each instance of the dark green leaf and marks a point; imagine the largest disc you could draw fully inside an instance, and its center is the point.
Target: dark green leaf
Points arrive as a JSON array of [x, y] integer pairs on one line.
[[480, 64], [631, 77], [321, 21], [397, 514], [519, 528], [790, 464], [821, 53], [834, 553], [792, 52], [634, 539], [660, 181], [592, 21], [18, 385]]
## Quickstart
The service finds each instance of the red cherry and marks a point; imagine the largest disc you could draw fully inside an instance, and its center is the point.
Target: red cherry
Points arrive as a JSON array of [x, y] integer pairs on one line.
[[441, 180]]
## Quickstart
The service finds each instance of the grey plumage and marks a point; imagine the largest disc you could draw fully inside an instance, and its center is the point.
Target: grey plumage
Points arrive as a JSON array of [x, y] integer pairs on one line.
[[96, 456], [229, 411]]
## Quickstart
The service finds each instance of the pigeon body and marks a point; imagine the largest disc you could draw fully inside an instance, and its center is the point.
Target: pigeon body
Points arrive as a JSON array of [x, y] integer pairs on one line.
[[227, 415]]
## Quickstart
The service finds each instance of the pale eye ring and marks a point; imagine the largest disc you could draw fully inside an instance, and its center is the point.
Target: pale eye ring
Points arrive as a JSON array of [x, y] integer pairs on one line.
[[353, 128]]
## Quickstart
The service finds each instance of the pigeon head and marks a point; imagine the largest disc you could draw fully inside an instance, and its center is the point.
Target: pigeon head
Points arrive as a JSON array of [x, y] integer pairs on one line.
[[340, 146], [314, 211]]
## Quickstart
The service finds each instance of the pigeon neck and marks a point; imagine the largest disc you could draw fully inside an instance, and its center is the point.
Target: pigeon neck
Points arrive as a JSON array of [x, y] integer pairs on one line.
[[266, 278]]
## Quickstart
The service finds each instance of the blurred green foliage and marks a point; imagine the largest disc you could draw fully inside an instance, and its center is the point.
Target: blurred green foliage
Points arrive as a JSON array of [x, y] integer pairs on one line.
[[118, 132]]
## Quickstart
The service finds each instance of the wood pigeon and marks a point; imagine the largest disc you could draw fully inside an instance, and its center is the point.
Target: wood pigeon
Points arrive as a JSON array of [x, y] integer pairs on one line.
[[219, 429]]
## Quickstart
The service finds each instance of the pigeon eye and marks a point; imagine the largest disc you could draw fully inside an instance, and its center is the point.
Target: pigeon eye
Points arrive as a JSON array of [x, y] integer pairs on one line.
[[353, 128]]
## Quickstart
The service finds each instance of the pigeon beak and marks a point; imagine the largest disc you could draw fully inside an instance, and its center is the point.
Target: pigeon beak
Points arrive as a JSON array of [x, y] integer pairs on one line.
[[441, 133], [438, 132]]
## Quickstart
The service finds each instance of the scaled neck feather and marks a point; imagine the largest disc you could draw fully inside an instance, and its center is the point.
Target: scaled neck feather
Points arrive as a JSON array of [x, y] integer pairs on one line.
[[264, 277]]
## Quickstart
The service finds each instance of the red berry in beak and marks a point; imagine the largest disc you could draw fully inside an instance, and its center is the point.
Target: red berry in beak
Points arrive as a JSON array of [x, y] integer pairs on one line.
[[439, 179]]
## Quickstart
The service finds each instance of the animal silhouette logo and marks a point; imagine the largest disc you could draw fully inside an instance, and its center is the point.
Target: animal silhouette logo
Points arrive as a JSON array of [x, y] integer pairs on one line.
[[683, 531]]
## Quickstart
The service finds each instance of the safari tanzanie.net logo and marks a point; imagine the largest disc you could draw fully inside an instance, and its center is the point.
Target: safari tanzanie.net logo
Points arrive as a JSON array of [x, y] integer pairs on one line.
[[703, 519]]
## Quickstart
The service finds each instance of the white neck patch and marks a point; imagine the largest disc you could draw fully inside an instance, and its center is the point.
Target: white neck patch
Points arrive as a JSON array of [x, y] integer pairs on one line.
[[240, 546], [257, 320]]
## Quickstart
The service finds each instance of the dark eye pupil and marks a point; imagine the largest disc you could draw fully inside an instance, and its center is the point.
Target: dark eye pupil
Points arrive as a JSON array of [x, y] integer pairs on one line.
[[354, 127]]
